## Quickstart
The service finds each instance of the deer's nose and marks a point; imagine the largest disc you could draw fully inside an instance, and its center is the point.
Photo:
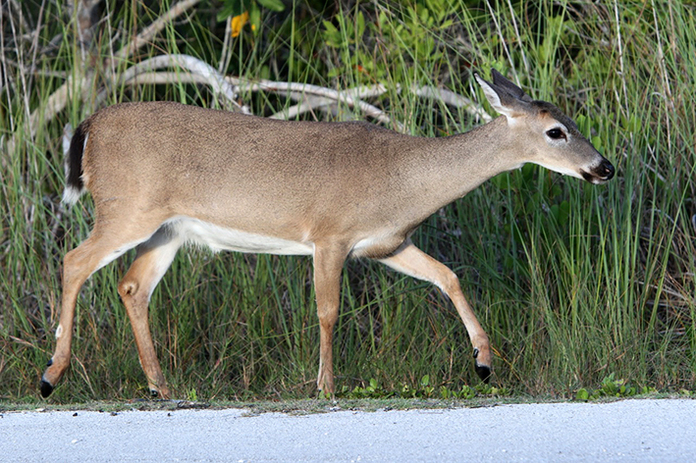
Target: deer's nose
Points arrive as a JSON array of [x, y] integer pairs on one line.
[[605, 170]]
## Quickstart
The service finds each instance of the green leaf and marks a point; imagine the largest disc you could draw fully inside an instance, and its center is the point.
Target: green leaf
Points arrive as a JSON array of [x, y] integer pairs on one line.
[[274, 5], [582, 394], [382, 20], [444, 393], [255, 19], [360, 27], [331, 35], [425, 380], [467, 392]]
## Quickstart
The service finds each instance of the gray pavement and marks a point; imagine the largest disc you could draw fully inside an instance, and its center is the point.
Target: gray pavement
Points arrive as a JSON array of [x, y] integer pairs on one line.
[[624, 431]]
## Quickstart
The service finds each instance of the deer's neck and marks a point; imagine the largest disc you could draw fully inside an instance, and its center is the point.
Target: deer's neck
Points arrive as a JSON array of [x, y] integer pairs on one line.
[[453, 166]]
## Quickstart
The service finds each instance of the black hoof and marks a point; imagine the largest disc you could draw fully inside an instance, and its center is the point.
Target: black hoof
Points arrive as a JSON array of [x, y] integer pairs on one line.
[[154, 393], [484, 372], [46, 388]]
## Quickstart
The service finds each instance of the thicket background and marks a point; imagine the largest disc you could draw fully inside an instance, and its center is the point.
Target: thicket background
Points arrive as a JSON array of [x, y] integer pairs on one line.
[[573, 282]]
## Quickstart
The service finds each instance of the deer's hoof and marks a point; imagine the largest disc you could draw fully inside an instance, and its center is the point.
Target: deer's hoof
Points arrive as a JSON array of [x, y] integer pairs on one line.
[[483, 371], [46, 388]]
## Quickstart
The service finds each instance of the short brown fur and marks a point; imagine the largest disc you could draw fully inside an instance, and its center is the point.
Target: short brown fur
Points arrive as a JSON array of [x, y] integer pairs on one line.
[[332, 190]]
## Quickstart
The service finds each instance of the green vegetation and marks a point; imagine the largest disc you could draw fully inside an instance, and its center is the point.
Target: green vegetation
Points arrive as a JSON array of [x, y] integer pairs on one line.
[[574, 283], [611, 387], [422, 390]]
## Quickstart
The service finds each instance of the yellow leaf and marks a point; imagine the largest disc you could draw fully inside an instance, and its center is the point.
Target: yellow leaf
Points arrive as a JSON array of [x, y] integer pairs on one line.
[[238, 22]]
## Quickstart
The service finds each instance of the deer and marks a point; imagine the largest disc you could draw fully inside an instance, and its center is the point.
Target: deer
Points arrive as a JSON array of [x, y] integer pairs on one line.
[[163, 175]]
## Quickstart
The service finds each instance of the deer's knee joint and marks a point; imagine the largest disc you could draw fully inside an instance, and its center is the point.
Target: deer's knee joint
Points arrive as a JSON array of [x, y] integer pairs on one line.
[[481, 343], [128, 288], [482, 357], [328, 316], [450, 282]]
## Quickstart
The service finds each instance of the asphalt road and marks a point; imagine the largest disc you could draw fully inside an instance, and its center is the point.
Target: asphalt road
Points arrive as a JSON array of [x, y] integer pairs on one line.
[[625, 431]]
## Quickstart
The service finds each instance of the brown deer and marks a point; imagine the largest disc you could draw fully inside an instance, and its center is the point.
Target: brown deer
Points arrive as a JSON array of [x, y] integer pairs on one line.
[[164, 174]]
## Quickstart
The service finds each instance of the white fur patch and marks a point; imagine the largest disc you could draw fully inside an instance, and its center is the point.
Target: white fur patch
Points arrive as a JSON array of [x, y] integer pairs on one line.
[[187, 230], [491, 94], [165, 256], [70, 193], [561, 170], [59, 331], [219, 238]]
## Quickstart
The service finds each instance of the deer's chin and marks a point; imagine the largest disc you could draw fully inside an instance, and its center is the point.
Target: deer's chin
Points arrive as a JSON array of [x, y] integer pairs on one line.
[[564, 170]]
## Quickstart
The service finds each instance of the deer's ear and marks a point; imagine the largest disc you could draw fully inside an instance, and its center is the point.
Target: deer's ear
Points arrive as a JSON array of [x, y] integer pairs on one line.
[[500, 81], [508, 99]]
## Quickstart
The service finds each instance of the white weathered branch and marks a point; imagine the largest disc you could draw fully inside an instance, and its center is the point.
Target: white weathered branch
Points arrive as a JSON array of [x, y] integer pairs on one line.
[[346, 97], [310, 101], [448, 97], [452, 99], [308, 96], [354, 96], [204, 72]]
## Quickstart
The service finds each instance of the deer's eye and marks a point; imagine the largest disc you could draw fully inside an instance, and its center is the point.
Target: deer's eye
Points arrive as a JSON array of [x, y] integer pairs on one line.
[[556, 134]]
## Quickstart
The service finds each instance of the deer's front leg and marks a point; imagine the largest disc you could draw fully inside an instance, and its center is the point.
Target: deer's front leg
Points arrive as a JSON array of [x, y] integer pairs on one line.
[[328, 264], [412, 261]]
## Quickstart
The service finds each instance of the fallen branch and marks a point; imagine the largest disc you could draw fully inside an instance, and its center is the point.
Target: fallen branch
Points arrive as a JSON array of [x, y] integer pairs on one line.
[[310, 101], [308, 96], [453, 99], [448, 97], [204, 73], [345, 97]]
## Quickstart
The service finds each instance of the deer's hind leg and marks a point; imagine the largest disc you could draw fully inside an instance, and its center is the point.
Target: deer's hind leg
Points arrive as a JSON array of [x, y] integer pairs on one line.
[[103, 246], [151, 263]]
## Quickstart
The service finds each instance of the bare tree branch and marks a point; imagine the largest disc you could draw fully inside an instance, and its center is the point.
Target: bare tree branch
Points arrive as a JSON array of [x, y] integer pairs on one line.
[[448, 97], [309, 96], [205, 72], [452, 99], [309, 101], [345, 97]]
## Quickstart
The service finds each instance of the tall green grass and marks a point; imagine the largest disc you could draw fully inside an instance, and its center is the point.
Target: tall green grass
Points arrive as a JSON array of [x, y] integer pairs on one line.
[[573, 282]]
